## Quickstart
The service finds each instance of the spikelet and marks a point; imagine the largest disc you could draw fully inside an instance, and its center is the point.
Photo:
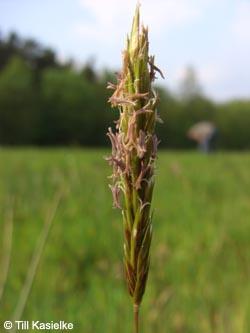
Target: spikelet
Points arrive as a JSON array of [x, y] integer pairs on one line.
[[134, 151]]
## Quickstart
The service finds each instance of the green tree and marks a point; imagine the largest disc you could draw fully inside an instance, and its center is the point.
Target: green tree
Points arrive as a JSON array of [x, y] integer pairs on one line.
[[68, 104], [17, 103], [233, 121]]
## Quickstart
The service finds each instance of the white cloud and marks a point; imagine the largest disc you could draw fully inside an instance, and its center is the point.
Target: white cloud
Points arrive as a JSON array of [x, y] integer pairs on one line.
[[170, 14], [205, 74], [210, 74], [180, 73], [107, 22], [112, 18], [241, 23], [213, 78]]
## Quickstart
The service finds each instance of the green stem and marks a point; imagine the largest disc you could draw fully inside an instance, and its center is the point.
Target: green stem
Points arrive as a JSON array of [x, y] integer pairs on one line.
[[136, 318]]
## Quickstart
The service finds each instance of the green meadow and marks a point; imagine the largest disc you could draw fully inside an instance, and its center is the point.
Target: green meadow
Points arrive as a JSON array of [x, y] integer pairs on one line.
[[199, 280]]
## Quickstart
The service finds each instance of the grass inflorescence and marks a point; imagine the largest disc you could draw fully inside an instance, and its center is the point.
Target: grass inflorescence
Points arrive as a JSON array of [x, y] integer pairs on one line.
[[134, 151]]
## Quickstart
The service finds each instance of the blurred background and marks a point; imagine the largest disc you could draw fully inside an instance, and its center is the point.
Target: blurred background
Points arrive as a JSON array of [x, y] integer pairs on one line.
[[61, 245], [56, 57]]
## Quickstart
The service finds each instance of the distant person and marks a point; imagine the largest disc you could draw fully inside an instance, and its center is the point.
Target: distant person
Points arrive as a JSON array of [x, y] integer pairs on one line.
[[204, 134]]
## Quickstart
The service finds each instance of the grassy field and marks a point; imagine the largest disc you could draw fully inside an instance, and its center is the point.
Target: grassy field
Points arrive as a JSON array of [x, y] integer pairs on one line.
[[199, 280]]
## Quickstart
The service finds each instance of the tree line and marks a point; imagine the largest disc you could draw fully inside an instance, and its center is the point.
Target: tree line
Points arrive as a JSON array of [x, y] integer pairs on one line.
[[44, 102]]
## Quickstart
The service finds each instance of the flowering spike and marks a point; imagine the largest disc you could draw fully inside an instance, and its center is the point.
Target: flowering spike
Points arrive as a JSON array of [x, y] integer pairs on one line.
[[134, 150]]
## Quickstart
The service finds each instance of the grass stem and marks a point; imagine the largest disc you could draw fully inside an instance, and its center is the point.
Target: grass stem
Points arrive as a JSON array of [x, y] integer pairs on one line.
[[136, 317]]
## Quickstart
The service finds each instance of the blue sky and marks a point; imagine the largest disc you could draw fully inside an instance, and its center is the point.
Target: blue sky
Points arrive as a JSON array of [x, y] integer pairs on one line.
[[212, 36]]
